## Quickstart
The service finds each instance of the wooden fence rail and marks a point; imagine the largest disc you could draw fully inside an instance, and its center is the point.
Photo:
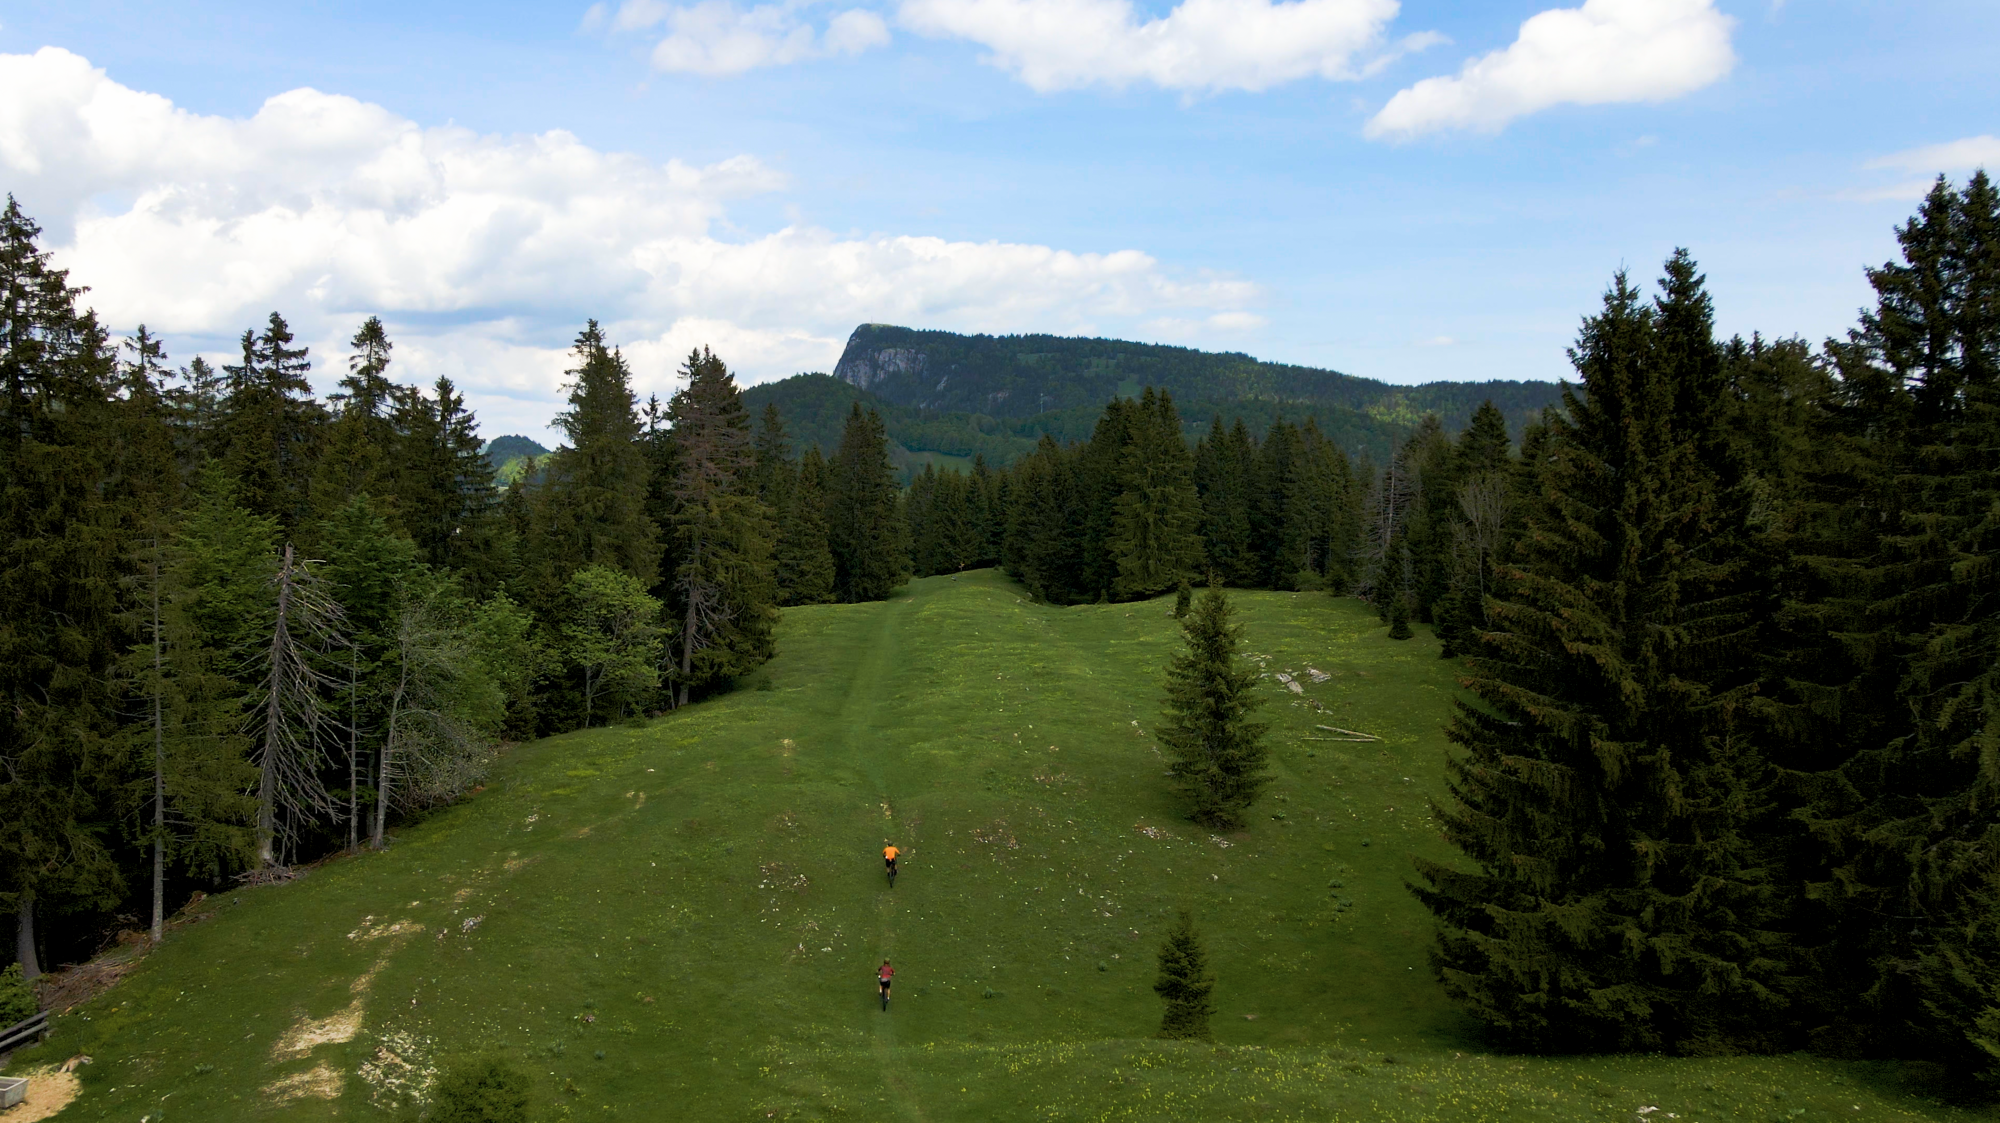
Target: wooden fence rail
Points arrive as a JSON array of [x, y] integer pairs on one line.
[[24, 1033]]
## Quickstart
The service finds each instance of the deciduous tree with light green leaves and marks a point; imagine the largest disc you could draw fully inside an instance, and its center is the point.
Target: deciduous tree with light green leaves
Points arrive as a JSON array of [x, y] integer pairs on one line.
[[611, 633]]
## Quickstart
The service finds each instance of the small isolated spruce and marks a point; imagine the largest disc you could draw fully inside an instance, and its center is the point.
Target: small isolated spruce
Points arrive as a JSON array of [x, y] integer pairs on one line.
[[1399, 618], [1217, 751], [1183, 597], [480, 1090], [1184, 983]]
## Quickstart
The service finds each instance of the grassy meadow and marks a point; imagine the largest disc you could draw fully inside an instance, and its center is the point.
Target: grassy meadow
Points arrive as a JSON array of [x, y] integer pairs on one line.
[[682, 920]]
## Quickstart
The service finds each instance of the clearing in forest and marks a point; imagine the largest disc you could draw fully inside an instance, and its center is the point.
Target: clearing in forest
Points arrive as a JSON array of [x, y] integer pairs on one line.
[[683, 920]]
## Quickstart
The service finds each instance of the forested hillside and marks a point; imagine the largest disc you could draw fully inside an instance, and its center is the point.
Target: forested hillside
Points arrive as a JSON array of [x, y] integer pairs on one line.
[[1062, 381]]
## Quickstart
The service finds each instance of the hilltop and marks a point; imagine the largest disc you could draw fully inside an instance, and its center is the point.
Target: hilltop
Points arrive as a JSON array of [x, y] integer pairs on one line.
[[946, 397], [680, 918]]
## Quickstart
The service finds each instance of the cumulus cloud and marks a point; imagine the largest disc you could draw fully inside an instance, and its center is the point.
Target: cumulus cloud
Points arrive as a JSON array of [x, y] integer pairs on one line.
[[716, 38], [486, 253], [1607, 51], [1952, 156], [1200, 46]]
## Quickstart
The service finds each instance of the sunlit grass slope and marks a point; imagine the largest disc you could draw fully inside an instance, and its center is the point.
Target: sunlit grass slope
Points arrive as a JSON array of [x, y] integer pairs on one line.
[[682, 921]]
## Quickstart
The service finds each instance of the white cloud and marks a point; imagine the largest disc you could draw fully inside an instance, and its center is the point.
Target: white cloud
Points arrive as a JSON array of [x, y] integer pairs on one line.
[[486, 253], [1604, 52], [1202, 45], [1941, 159], [715, 37]]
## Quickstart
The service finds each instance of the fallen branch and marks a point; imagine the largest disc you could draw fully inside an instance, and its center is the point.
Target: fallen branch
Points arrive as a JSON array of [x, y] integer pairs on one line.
[[1352, 734]]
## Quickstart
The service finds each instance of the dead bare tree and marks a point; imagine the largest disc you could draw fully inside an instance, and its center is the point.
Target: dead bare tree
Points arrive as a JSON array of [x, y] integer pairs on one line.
[[1484, 502], [291, 723]]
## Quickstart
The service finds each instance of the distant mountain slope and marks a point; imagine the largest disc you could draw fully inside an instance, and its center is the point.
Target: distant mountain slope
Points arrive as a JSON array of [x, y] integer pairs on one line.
[[1026, 376], [815, 406], [509, 454]]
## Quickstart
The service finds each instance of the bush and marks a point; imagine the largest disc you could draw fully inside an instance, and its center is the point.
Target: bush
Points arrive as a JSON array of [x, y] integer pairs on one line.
[[17, 997], [480, 1090]]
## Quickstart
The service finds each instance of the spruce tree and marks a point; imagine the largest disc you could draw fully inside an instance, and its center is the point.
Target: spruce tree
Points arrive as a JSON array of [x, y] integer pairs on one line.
[[1606, 793], [723, 592], [1216, 754], [803, 562], [355, 459], [591, 505], [1043, 547], [1156, 532], [61, 545], [271, 426], [1185, 983], [291, 722], [865, 524]]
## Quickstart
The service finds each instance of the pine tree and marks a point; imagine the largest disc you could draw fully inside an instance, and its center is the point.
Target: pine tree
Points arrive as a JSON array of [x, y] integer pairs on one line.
[[271, 425], [774, 474], [60, 545], [722, 587], [591, 506], [1185, 983], [1607, 795], [1216, 753], [865, 525], [1043, 548], [1183, 599], [1156, 533], [359, 440], [803, 560]]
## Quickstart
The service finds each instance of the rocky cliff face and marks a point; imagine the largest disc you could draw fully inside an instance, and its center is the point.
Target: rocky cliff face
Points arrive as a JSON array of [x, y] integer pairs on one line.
[[866, 367]]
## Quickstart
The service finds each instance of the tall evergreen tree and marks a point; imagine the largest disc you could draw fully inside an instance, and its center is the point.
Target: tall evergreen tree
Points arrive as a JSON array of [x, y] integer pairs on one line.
[[1156, 531], [803, 560], [723, 589], [1216, 754], [271, 425], [60, 545], [1043, 547], [866, 528], [1607, 795], [592, 502]]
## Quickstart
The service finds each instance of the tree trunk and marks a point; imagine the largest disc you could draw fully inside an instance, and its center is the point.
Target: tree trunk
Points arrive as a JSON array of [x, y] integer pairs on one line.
[[687, 632], [267, 783], [386, 756], [159, 765], [24, 939], [353, 746]]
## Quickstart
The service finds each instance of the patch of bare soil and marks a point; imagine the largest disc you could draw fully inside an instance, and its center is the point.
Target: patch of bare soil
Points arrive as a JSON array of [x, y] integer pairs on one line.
[[319, 1082], [49, 1091], [310, 1033]]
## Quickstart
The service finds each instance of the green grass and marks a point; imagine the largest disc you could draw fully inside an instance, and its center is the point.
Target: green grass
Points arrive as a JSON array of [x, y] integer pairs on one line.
[[682, 921]]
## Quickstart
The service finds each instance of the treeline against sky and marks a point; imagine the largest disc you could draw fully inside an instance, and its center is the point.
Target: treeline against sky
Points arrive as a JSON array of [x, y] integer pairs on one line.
[[1729, 776]]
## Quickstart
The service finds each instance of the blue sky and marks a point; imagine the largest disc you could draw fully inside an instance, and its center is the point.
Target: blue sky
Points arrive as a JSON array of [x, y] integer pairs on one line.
[[1407, 193]]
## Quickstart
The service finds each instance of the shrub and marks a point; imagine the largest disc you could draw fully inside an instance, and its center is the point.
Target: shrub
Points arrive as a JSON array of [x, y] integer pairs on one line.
[[480, 1090], [17, 997]]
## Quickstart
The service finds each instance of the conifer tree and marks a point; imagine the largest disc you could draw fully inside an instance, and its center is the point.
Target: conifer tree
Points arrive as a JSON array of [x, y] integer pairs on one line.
[[1606, 793], [271, 425], [774, 473], [1185, 983], [591, 505], [444, 495], [723, 590], [803, 561], [1156, 531], [866, 528], [1095, 470], [1043, 547], [1216, 754], [60, 546], [360, 438]]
